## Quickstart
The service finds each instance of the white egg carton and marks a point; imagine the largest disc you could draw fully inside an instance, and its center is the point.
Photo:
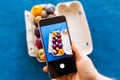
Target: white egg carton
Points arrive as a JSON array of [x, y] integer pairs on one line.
[[77, 24]]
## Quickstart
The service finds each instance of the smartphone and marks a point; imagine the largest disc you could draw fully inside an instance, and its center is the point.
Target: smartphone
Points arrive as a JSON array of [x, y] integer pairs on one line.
[[57, 46]]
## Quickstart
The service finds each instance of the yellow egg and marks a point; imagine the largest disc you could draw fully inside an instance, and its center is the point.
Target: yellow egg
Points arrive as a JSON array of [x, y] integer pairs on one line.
[[39, 53], [36, 20], [36, 10]]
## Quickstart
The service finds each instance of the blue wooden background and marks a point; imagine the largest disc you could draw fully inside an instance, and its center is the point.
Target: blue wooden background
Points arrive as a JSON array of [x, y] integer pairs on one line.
[[104, 21]]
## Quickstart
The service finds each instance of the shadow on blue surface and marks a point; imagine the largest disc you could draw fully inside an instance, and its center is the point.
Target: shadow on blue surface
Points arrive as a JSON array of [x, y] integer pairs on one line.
[[15, 64]]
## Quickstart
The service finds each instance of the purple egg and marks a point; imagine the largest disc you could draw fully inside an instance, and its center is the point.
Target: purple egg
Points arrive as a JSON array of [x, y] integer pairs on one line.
[[54, 46], [59, 40], [37, 33], [39, 43], [54, 41], [60, 45]]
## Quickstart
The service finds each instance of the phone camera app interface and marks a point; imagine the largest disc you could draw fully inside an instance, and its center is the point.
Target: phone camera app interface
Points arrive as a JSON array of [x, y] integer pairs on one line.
[[56, 41]]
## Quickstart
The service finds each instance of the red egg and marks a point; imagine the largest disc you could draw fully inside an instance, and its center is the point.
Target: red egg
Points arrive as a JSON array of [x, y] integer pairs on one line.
[[59, 35], [39, 43], [59, 40]]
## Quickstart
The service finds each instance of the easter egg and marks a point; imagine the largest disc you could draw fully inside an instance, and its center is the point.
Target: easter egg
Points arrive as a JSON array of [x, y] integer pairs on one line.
[[54, 33], [44, 14], [36, 20], [54, 46], [60, 45], [59, 40], [50, 8], [36, 10], [37, 33], [53, 41], [39, 53], [54, 52], [59, 35], [39, 43], [61, 51]]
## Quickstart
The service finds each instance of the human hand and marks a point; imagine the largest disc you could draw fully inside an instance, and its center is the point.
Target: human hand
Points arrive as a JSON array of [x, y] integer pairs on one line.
[[85, 68]]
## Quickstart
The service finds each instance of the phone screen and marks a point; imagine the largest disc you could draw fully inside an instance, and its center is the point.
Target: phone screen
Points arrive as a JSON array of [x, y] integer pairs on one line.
[[57, 46]]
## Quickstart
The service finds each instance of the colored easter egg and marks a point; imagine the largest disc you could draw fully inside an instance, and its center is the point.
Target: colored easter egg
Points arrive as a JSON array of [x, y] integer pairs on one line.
[[59, 40], [37, 33], [54, 46], [50, 9], [60, 45], [36, 10], [44, 14], [54, 52], [36, 20], [59, 35], [61, 51], [39, 43], [40, 52], [53, 41], [54, 33]]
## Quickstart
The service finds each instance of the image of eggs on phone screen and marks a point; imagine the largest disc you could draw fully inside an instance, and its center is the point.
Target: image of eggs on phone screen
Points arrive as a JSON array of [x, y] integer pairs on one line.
[[57, 46], [56, 41]]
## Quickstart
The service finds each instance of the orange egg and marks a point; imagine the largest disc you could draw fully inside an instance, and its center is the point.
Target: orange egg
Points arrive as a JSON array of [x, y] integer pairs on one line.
[[61, 51], [54, 33], [37, 10]]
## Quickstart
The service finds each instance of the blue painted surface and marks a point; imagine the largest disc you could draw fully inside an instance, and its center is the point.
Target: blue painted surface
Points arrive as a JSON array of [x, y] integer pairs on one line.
[[104, 21]]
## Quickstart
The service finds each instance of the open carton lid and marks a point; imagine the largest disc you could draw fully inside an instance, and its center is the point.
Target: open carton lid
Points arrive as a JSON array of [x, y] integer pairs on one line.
[[77, 24]]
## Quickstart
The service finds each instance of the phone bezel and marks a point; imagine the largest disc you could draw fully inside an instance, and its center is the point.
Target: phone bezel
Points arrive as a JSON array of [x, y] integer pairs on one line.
[[54, 20]]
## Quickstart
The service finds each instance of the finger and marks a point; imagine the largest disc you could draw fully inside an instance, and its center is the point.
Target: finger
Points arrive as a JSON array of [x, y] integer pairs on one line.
[[77, 52], [45, 69], [43, 57]]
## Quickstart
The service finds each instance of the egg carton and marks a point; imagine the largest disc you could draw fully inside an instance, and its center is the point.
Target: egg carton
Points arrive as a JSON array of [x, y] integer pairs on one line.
[[77, 24]]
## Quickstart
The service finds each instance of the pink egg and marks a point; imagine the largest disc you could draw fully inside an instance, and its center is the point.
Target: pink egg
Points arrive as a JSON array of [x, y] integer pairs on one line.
[[54, 46]]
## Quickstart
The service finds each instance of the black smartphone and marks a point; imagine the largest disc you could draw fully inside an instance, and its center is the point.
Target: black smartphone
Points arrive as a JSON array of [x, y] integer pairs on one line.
[[57, 46]]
